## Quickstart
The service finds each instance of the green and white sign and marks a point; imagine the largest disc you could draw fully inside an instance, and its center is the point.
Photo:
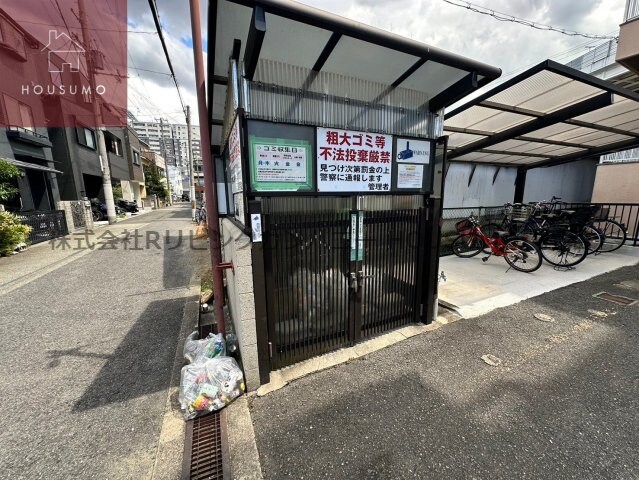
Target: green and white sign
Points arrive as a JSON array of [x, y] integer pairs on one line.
[[280, 165]]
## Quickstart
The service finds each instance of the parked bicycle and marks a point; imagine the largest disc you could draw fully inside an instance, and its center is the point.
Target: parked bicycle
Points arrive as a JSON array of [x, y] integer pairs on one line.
[[519, 252], [561, 242], [200, 214], [613, 234]]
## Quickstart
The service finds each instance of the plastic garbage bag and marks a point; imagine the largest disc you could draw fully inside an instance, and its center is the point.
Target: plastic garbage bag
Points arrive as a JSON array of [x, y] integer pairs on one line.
[[209, 385], [210, 347], [191, 347], [213, 346]]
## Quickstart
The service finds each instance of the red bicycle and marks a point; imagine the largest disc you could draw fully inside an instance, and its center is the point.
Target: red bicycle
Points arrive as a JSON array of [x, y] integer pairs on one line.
[[518, 252]]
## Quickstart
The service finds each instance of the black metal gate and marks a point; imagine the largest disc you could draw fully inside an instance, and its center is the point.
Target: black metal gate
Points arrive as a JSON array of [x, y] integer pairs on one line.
[[334, 277]]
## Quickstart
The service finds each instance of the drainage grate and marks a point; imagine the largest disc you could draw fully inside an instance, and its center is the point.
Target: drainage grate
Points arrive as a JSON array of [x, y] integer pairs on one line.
[[619, 299], [203, 449]]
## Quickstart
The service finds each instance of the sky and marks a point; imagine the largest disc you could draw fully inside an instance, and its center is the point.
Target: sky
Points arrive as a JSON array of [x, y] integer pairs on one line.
[[509, 46]]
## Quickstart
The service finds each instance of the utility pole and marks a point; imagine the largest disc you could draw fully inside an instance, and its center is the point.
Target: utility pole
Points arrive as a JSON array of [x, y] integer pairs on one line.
[[190, 153], [103, 155], [210, 185]]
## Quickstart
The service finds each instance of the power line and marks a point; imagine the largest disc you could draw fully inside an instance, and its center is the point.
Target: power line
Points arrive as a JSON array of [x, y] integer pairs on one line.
[[158, 27], [505, 17]]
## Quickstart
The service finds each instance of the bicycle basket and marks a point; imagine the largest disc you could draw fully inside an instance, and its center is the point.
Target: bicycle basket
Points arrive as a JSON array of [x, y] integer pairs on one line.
[[520, 213], [464, 227]]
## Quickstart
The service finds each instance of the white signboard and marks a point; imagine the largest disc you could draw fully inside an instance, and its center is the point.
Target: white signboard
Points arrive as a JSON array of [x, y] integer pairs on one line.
[[412, 151], [410, 176], [349, 161], [235, 158], [280, 163], [256, 227]]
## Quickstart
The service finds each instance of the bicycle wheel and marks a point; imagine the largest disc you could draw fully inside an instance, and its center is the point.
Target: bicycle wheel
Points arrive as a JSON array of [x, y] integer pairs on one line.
[[466, 246], [563, 248], [614, 235], [594, 238], [522, 254]]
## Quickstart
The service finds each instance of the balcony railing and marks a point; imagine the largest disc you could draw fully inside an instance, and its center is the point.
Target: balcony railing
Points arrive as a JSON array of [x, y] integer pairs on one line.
[[632, 10], [30, 131], [621, 157]]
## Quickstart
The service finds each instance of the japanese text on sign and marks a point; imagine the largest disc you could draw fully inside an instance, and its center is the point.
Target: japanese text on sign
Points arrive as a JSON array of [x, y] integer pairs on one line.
[[349, 161], [281, 163], [235, 157]]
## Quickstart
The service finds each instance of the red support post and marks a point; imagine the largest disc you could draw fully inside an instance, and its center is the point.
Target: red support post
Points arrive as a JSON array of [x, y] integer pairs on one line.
[[210, 184]]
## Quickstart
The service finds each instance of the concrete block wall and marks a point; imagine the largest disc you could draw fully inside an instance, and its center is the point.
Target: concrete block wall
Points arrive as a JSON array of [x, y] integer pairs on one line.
[[236, 248], [66, 206]]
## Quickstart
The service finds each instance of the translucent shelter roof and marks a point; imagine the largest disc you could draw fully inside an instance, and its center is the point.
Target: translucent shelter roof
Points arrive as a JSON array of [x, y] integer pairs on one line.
[[548, 115], [261, 33]]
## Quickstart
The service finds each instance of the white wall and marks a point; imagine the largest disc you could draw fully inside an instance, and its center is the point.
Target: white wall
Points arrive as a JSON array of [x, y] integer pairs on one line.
[[481, 191], [573, 182]]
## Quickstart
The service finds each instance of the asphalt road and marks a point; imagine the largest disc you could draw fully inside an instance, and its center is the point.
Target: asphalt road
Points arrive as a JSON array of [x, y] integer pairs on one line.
[[564, 402], [87, 352]]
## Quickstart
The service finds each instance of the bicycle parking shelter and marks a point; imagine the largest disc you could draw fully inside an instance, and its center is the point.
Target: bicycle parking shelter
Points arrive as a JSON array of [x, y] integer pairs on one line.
[[548, 115], [328, 137]]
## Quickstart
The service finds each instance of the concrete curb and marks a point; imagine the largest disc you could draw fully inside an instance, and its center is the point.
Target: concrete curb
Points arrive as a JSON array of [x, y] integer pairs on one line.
[[239, 439], [170, 447], [281, 378]]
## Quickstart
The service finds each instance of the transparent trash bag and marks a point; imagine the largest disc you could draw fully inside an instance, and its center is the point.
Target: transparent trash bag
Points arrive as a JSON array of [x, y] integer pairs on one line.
[[198, 350], [209, 385]]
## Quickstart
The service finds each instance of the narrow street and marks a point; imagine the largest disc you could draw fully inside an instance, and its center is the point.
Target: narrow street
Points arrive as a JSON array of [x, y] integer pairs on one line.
[[88, 353], [562, 404]]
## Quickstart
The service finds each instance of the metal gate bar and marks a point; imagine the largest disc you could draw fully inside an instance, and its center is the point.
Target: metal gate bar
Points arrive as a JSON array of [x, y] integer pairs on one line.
[[309, 293], [312, 307], [391, 258]]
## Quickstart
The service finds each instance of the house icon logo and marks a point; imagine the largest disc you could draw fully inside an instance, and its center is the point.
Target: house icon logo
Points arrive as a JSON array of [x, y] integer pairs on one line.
[[62, 46]]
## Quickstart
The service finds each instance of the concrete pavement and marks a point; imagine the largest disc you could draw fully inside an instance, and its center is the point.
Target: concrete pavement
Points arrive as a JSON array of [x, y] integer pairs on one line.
[[562, 404], [88, 347], [475, 288]]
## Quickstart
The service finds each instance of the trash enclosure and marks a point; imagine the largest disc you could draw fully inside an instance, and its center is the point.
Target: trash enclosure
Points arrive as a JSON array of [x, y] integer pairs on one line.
[[331, 147]]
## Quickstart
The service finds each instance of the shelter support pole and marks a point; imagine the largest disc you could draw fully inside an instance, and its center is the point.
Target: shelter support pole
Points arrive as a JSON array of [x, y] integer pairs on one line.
[[210, 183], [433, 235], [261, 307], [520, 184]]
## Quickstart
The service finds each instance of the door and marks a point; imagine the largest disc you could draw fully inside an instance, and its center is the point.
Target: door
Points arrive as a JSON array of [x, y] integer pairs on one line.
[[336, 277]]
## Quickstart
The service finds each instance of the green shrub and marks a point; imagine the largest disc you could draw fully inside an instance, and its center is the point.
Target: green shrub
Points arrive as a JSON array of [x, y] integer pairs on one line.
[[8, 172], [12, 232]]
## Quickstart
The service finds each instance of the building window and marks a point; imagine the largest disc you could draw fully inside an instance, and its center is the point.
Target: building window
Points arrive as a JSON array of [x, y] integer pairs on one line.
[[86, 137], [18, 114], [114, 145], [136, 158], [11, 38]]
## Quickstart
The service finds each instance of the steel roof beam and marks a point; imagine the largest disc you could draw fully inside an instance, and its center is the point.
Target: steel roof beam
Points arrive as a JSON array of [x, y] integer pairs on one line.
[[220, 80], [326, 51], [581, 108], [470, 131], [514, 154], [592, 152], [510, 109], [412, 69], [257, 31], [552, 142], [603, 128], [454, 93], [327, 21]]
